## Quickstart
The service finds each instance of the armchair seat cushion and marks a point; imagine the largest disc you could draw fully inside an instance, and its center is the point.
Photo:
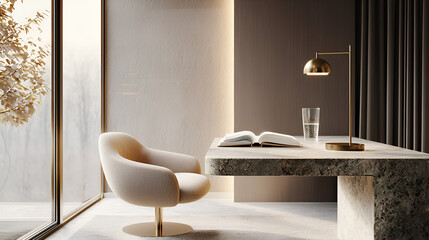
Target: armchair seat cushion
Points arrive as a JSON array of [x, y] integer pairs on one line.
[[192, 186]]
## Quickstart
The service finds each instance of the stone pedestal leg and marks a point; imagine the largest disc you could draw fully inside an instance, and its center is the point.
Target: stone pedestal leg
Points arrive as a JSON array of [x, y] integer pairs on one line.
[[394, 204], [356, 207]]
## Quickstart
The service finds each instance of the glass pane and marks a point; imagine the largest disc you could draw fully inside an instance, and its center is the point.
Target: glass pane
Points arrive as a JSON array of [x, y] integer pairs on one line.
[[81, 101], [25, 150]]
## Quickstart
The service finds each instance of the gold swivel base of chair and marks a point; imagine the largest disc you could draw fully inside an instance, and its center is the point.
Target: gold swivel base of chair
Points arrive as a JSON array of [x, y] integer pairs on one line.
[[148, 229], [157, 228]]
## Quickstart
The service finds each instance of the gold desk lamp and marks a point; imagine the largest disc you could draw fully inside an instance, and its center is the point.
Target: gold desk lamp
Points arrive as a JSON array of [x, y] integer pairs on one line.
[[320, 67]]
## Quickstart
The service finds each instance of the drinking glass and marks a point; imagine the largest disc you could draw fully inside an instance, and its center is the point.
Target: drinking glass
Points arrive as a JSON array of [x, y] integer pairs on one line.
[[310, 123]]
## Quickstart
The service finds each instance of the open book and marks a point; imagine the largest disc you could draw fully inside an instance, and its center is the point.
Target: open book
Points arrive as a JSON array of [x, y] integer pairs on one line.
[[248, 138]]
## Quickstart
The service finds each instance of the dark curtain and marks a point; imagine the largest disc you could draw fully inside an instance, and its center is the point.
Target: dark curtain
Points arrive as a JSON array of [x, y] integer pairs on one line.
[[392, 72]]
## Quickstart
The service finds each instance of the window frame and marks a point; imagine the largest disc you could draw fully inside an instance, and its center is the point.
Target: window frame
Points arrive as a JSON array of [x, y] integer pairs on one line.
[[58, 219]]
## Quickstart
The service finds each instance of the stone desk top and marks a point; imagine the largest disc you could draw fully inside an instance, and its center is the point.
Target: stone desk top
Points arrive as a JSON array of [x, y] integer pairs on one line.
[[312, 159], [314, 150], [392, 181]]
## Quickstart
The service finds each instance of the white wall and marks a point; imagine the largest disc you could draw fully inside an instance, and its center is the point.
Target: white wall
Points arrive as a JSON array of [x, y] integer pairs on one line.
[[169, 73]]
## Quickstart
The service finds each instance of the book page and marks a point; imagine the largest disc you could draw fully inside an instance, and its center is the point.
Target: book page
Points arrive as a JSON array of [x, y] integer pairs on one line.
[[238, 138], [278, 138], [241, 136]]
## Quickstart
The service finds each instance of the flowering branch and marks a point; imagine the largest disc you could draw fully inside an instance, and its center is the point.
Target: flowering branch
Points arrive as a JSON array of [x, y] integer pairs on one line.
[[21, 67]]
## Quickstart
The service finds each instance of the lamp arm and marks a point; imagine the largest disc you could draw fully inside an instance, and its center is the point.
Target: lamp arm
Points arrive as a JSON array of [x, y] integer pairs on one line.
[[333, 53], [350, 86], [350, 96]]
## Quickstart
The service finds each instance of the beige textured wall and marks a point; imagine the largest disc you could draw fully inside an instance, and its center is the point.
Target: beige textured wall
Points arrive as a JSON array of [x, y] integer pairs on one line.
[[169, 73]]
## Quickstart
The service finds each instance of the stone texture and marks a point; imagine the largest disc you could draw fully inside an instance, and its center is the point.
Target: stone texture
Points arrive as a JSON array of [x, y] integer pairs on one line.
[[401, 177], [356, 207]]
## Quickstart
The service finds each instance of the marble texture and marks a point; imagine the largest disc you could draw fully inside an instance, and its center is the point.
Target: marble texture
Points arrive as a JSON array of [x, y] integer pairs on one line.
[[213, 218], [401, 177], [12, 230]]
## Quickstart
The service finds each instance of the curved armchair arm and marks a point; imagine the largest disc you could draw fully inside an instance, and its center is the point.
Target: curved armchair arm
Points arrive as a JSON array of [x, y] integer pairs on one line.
[[176, 162], [139, 183]]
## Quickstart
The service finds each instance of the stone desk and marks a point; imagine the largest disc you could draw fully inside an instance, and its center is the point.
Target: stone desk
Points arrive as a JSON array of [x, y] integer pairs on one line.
[[383, 192]]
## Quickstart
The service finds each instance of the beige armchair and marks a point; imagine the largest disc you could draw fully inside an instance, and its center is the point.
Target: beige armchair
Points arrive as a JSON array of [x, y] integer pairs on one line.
[[151, 178]]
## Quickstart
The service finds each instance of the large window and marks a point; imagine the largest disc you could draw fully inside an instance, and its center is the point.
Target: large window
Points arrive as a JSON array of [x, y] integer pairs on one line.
[[26, 150], [53, 158], [81, 101]]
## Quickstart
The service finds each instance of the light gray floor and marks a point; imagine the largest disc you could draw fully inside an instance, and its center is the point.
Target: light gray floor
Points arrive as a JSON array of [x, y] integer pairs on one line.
[[211, 218], [11, 230], [19, 218]]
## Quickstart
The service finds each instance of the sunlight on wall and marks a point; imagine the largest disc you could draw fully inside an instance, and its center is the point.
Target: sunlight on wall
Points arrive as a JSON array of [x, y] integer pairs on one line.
[[169, 74]]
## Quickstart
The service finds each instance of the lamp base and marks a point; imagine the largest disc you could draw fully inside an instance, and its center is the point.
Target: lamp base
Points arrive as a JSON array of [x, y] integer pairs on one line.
[[345, 146]]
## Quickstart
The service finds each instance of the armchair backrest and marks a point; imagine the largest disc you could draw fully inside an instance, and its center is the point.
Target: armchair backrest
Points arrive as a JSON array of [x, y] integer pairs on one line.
[[124, 162], [121, 143]]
